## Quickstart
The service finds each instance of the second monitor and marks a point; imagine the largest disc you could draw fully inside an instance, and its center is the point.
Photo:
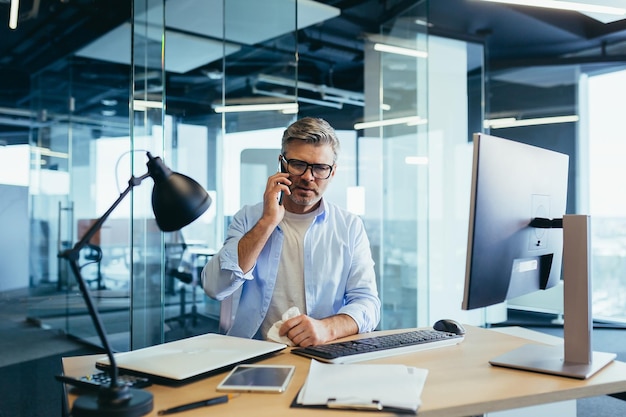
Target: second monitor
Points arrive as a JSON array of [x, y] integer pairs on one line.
[[520, 239], [512, 184]]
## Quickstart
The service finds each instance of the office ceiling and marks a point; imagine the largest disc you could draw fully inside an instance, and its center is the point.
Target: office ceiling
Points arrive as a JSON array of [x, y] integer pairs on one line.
[[330, 48]]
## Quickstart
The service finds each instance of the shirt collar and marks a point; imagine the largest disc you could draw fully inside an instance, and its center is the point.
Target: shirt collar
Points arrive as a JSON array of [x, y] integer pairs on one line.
[[321, 211]]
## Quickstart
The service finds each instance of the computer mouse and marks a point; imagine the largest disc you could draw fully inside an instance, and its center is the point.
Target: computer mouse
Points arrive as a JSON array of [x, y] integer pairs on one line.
[[450, 326]]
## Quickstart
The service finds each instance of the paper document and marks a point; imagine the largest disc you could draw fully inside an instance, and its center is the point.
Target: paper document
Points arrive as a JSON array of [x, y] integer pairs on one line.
[[363, 386]]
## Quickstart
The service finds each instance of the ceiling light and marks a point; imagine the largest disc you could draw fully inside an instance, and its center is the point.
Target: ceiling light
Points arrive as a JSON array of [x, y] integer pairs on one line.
[[143, 105], [262, 92], [423, 22], [13, 14], [512, 122], [109, 102], [397, 45], [416, 160], [416, 121], [256, 107], [213, 74], [409, 121], [566, 5], [504, 121], [383, 47], [293, 110], [331, 96], [47, 152]]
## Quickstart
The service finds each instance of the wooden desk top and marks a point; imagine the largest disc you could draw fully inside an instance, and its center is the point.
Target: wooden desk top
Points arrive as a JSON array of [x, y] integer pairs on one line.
[[461, 382]]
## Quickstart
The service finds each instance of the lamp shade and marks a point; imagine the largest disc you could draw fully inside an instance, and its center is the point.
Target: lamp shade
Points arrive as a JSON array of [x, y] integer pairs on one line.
[[177, 200]]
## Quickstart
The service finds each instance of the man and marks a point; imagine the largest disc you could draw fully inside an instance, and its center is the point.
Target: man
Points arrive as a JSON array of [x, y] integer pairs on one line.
[[295, 249]]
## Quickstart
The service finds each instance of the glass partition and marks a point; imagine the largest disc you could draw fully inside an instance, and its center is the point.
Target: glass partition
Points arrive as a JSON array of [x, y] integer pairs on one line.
[[602, 141], [146, 281], [528, 94], [191, 82], [573, 109], [396, 142], [72, 182], [82, 159], [147, 114]]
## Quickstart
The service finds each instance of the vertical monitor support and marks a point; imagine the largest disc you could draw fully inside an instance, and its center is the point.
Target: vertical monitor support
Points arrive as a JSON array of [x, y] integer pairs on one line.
[[575, 359]]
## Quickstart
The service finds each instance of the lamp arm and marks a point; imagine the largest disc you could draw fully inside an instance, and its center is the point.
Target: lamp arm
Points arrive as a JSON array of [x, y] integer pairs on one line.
[[73, 254], [132, 182], [113, 371]]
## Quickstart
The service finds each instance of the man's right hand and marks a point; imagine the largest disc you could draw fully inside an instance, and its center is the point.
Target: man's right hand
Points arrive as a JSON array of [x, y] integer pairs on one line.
[[274, 212], [251, 244]]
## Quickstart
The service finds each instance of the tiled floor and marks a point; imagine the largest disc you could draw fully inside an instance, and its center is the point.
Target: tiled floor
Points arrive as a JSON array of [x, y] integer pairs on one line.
[[25, 340]]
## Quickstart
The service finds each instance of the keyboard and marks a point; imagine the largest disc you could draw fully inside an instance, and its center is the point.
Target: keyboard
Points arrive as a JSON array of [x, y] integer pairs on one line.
[[94, 381], [375, 347]]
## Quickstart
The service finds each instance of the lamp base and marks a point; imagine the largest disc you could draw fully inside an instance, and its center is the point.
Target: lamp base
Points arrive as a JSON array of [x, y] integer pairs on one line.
[[89, 405]]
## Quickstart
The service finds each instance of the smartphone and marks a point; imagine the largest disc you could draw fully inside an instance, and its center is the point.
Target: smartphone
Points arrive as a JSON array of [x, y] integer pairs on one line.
[[282, 169]]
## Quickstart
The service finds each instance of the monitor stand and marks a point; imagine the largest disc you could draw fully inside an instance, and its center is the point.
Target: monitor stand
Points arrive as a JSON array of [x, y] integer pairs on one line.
[[574, 359]]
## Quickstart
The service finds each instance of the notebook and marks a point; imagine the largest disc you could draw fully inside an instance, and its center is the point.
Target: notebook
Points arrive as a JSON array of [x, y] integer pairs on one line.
[[186, 360]]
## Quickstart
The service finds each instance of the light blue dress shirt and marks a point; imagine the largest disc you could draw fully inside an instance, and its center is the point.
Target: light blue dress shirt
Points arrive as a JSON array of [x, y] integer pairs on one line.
[[338, 271]]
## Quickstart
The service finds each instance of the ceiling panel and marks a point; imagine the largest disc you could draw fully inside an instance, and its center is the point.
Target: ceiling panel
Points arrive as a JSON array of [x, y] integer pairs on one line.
[[84, 47], [195, 28], [183, 53]]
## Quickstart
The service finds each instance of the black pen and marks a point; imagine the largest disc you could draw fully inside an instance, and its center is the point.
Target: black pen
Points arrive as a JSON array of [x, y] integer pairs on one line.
[[197, 404]]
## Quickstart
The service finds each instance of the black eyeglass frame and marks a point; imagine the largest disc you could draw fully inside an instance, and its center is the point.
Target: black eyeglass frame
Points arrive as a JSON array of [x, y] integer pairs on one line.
[[313, 167]]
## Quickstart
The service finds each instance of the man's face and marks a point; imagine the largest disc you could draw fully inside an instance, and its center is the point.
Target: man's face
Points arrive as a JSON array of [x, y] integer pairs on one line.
[[306, 190]]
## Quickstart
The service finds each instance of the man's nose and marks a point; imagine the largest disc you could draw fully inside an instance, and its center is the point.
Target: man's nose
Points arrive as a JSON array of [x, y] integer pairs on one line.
[[308, 173]]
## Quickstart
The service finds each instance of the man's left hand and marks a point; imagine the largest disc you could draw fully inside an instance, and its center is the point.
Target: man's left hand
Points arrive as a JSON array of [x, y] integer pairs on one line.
[[306, 331]]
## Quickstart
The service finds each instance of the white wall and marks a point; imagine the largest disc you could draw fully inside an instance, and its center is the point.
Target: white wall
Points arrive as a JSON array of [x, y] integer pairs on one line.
[[14, 237], [450, 159]]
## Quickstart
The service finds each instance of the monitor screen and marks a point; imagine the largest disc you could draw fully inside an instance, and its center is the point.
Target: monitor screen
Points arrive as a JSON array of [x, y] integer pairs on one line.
[[512, 184]]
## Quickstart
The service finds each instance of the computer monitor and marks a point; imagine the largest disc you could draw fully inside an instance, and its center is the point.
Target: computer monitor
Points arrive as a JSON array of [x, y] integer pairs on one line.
[[520, 239], [513, 183]]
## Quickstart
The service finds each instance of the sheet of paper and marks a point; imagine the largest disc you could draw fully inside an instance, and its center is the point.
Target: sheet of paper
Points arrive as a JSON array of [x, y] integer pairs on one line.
[[391, 385]]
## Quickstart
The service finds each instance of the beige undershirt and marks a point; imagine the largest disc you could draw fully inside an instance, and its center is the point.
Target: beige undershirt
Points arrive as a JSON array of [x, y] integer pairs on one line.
[[289, 288]]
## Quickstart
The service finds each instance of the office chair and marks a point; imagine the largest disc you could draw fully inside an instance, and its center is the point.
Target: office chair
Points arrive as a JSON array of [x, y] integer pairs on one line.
[[93, 255], [181, 265], [174, 270]]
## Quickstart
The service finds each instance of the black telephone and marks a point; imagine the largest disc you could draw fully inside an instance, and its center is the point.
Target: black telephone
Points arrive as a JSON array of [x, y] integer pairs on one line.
[[283, 170]]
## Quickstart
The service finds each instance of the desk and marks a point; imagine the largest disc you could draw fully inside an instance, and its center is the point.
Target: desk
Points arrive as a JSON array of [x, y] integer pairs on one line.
[[460, 383]]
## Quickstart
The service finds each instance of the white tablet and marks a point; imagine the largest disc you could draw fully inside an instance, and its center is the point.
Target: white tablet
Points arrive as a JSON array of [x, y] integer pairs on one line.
[[257, 378]]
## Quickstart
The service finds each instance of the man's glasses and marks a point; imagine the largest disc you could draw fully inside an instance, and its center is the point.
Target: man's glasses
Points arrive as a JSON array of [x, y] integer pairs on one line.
[[297, 167]]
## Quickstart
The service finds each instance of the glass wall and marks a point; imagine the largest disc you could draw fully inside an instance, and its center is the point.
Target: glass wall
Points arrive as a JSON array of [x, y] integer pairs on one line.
[[190, 82], [585, 96], [144, 282], [602, 142], [404, 164], [396, 145], [423, 94], [71, 180], [82, 161]]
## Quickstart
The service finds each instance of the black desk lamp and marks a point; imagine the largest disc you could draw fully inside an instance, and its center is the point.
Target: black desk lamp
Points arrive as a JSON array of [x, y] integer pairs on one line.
[[177, 200]]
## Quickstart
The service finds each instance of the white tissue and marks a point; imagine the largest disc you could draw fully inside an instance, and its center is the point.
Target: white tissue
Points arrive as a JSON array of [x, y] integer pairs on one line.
[[272, 333]]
